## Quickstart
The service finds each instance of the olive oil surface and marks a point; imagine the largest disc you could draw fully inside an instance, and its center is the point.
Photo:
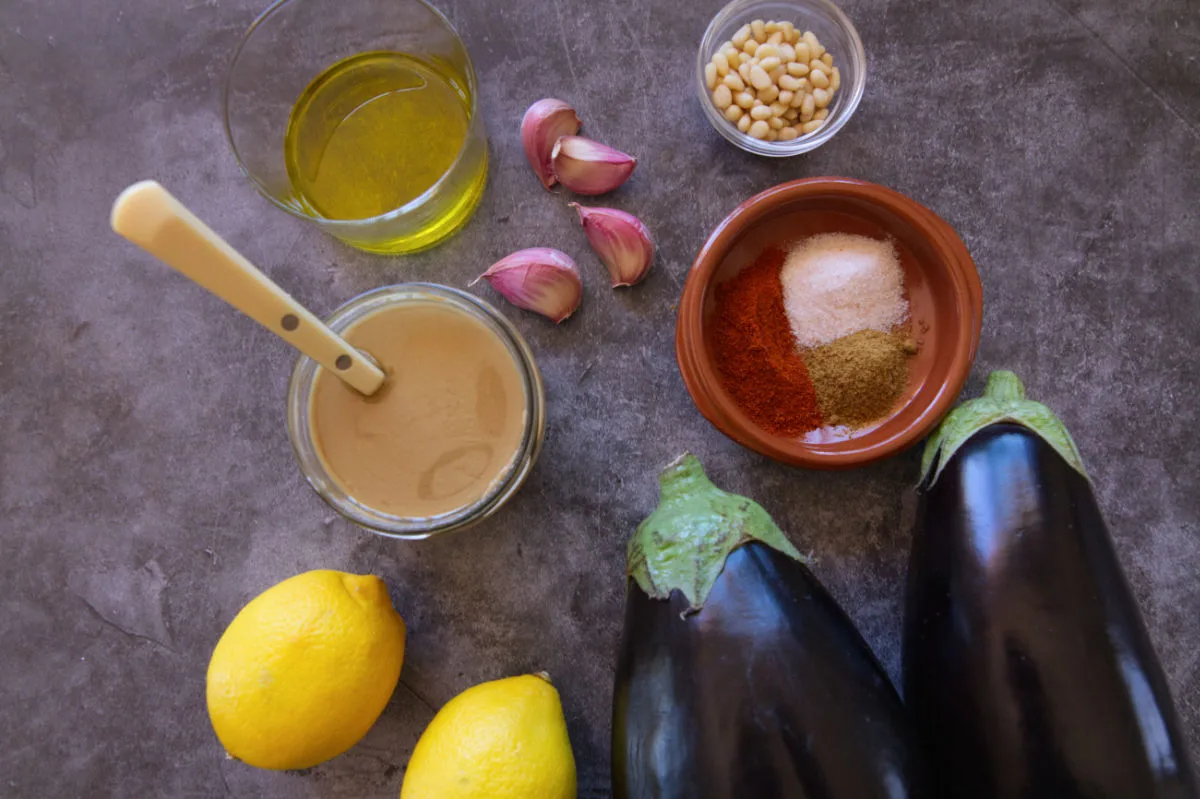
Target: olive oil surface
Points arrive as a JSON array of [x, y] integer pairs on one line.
[[372, 133]]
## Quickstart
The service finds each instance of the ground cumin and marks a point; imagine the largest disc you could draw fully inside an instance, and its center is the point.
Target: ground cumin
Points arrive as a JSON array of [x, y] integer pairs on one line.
[[755, 351], [859, 377]]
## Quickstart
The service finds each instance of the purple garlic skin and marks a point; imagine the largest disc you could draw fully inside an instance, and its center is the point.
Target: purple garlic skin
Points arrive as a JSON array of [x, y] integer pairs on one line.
[[589, 167], [544, 123], [622, 242], [539, 279]]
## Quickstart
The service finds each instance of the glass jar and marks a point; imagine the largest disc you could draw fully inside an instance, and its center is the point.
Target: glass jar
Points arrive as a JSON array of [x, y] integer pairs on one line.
[[303, 438]]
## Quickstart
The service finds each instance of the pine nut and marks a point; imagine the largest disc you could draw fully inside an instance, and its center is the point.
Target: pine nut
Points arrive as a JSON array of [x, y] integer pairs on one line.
[[808, 105], [769, 64], [788, 133], [770, 73], [789, 83]]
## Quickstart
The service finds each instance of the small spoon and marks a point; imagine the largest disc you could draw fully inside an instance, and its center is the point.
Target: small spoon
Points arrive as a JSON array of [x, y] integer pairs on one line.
[[147, 214]]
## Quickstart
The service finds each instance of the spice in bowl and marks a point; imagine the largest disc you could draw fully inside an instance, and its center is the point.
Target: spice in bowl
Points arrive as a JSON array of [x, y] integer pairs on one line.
[[773, 82], [815, 337]]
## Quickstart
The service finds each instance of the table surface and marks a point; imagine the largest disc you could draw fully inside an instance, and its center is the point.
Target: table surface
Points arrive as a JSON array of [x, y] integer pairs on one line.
[[147, 488]]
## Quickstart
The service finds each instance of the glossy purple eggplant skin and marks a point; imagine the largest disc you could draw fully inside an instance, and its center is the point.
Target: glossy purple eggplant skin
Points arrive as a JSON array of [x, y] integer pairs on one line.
[[1027, 667], [768, 692]]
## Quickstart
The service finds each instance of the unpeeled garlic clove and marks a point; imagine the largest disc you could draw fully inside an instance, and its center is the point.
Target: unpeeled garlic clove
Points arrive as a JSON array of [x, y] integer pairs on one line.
[[543, 124], [622, 242], [539, 279], [589, 167]]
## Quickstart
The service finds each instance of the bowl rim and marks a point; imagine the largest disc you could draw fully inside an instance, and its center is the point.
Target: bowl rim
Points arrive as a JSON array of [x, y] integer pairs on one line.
[[699, 374], [843, 110]]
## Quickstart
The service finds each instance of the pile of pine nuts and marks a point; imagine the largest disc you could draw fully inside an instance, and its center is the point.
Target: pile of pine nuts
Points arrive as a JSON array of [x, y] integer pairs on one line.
[[772, 81]]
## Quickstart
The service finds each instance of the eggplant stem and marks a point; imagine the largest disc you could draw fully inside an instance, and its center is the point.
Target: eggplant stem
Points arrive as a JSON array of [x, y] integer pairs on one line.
[[1004, 386], [1003, 401], [683, 545]]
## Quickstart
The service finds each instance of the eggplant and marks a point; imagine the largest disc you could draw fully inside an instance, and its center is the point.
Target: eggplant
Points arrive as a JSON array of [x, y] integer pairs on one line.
[[1026, 665], [739, 676]]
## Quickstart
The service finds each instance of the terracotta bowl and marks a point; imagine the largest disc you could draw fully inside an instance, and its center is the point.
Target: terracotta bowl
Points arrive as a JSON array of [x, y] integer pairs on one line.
[[944, 293]]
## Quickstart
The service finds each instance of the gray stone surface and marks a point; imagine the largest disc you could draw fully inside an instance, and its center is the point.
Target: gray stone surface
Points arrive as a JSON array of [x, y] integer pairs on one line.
[[147, 489]]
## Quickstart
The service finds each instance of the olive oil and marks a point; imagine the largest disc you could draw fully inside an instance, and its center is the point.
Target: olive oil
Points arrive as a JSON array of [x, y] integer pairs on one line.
[[376, 131]]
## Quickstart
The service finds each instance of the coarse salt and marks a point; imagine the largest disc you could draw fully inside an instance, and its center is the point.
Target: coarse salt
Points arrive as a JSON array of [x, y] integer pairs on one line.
[[835, 284]]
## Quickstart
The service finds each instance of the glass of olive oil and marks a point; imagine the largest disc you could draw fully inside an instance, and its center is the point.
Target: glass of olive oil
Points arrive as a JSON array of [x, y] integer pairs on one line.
[[360, 116]]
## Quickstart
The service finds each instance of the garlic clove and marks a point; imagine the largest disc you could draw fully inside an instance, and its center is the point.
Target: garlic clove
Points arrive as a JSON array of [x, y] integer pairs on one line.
[[543, 124], [539, 279], [589, 167], [622, 242]]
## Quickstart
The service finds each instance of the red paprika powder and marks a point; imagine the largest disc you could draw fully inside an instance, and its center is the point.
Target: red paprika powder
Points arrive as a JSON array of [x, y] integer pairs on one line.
[[755, 352]]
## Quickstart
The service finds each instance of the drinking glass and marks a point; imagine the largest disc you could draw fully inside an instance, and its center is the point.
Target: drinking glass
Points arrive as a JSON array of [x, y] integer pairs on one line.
[[293, 42]]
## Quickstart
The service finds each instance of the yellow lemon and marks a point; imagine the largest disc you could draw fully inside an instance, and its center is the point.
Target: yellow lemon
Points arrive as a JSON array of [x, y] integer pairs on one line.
[[303, 670], [500, 740]]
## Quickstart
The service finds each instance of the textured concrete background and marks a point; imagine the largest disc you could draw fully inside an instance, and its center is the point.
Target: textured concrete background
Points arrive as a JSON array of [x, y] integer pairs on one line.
[[147, 489]]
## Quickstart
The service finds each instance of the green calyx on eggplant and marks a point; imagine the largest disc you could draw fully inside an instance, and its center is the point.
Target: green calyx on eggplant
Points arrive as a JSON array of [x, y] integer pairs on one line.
[[1027, 668], [738, 675], [1003, 400], [683, 544]]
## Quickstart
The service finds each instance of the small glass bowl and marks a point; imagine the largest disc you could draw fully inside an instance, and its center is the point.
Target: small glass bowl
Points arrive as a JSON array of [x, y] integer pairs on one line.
[[300, 429], [837, 35]]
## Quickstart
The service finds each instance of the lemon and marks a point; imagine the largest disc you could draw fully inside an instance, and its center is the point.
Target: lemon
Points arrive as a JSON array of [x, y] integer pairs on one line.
[[499, 740], [303, 670]]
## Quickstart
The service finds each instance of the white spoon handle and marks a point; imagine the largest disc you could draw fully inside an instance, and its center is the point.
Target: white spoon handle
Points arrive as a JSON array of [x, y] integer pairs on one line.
[[147, 214]]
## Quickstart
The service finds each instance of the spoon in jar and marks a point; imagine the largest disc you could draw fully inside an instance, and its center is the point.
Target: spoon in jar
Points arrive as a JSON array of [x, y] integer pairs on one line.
[[147, 214]]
